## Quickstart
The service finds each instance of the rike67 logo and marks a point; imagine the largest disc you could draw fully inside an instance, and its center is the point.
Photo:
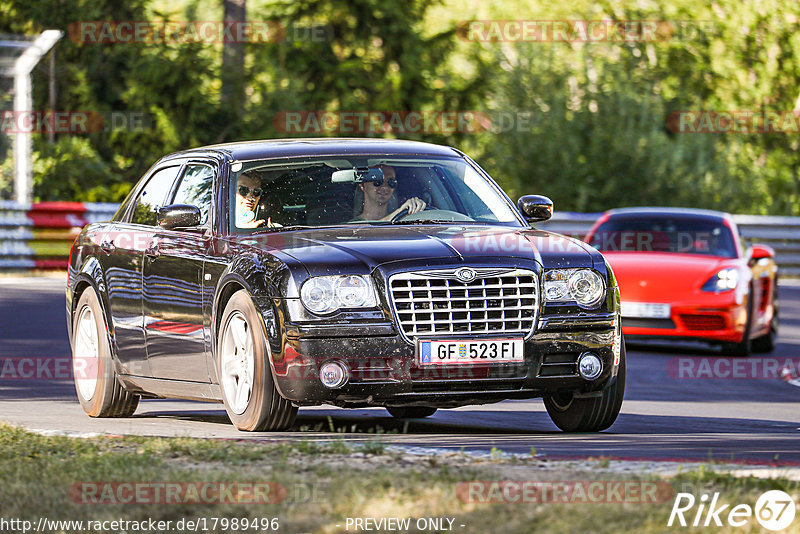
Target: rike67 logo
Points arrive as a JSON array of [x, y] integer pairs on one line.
[[774, 510]]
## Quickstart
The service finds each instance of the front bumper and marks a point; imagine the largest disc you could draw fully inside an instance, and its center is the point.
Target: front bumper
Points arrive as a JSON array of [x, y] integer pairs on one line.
[[383, 368], [715, 322]]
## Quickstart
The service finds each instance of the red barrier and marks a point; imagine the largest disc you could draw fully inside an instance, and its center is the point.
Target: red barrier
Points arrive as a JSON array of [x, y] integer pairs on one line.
[[52, 264], [39, 236], [58, 215]]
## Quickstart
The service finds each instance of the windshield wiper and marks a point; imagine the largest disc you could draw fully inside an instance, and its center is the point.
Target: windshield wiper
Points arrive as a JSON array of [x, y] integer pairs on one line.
[[290, 227], [426, 221]]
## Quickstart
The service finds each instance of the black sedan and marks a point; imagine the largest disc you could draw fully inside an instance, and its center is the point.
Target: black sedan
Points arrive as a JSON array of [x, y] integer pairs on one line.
[[269, 275]]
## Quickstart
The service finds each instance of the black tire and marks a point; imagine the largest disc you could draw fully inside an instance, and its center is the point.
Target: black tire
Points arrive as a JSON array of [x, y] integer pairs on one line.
[[410, 412], [766, 343], [264, 409], [99, 391], [589, 414], [745, 346]]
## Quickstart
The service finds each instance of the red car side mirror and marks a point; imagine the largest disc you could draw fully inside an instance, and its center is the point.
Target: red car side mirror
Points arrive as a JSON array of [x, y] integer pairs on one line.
[[758, 252]]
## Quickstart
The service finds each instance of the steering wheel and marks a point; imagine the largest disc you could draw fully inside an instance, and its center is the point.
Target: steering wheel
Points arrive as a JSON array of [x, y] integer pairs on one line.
[[426, 197], [405, 213]]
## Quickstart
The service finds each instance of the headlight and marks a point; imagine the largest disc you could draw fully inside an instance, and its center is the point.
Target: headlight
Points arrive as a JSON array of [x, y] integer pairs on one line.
[[584, 286], [725, 280], [325, 294], [555, 285]]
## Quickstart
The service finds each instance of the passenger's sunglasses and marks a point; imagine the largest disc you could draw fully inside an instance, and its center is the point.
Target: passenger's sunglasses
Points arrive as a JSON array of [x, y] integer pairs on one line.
[[391, 182], [246, 191]]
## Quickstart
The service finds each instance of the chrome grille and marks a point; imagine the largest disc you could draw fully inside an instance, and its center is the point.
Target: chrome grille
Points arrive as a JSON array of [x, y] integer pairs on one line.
[[496, 301]]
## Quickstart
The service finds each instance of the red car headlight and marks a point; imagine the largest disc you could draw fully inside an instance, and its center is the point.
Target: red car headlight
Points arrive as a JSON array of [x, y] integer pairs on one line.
[[724, 280]]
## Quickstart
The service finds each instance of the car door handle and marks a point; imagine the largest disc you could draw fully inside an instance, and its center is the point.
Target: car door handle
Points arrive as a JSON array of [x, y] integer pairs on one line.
[[107, 247], [153, 251]]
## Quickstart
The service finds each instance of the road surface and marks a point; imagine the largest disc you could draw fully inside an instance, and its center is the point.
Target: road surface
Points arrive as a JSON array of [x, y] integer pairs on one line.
[[666, 415]]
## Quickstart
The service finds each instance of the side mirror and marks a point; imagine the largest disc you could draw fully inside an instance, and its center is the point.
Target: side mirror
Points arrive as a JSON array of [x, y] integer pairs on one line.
[[178, 216], [535, 208], [760, 252]]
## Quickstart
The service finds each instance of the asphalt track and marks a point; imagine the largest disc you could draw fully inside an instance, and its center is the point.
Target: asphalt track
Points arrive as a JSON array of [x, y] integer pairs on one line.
[[667, 414]]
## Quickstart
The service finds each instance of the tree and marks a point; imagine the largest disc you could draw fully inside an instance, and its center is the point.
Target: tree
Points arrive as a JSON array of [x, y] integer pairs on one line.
[[369, 55], [233, 52]]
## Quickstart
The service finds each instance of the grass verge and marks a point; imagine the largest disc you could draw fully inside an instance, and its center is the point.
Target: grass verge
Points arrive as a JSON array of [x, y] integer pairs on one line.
[[316, 487]]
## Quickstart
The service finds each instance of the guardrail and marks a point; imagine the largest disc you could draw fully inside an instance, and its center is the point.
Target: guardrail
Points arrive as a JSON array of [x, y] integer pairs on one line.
[[39, 236], [781, 233]]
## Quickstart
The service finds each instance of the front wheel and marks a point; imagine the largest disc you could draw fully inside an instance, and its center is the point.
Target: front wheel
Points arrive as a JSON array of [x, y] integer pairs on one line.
[[99, 390], [245, 379], [745, 346], [590, 414]]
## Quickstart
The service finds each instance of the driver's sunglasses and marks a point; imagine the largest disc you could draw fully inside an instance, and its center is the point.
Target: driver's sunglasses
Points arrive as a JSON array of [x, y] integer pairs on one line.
[[391, 182], [245, 191]]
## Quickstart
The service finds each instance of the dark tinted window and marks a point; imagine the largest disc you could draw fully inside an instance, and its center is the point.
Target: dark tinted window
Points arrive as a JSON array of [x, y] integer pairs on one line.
[[195, 189], [153, 195], [328, 191], [682, 235]]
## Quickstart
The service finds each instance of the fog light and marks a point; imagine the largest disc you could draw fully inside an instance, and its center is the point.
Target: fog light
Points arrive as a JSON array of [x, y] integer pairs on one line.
[[333, 374], [589, 366]]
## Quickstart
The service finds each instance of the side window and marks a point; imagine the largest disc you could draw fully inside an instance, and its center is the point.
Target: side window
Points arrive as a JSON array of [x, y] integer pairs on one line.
[[123, 208], [130, 198], [153, 195], [195, 189]]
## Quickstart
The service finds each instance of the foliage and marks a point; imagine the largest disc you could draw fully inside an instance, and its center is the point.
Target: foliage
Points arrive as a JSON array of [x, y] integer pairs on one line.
[[602, 110], [80, 170], [599, 137]]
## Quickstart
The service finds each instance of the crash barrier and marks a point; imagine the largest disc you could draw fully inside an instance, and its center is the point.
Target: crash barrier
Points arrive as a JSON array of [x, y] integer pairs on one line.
[[39, 236], [781, 233]]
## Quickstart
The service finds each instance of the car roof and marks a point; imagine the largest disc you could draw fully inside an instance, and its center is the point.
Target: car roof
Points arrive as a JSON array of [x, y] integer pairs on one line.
[[693, 213], [286, 148]]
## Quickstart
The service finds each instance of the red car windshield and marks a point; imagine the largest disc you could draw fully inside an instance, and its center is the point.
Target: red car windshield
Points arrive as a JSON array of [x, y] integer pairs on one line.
[[681, 235]]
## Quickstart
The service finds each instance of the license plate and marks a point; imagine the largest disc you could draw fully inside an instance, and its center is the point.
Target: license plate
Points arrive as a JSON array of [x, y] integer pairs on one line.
[[648, 310], [461, 352]]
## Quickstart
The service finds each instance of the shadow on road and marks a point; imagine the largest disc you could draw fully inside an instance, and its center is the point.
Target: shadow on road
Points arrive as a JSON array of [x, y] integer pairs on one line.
[[482, 422]]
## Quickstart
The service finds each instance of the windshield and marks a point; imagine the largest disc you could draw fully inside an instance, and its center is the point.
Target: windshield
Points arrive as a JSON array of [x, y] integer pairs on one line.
[[682, 235], [351, 190]]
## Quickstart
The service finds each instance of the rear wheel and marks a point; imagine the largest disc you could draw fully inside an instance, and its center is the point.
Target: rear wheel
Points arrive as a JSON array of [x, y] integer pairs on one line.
[[410, 412], [590, 414], [766, 343], [99, 390], [245, 379]]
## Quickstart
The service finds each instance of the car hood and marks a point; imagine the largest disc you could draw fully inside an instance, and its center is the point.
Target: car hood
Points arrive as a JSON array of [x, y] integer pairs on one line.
[[662, 277], [341, 249]]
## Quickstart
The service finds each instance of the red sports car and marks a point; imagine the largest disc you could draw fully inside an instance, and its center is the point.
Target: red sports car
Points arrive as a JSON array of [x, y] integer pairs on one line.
[[683, 273]]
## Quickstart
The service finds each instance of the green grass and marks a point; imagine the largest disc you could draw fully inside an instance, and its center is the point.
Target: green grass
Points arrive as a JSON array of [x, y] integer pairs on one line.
[[325, 483]]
